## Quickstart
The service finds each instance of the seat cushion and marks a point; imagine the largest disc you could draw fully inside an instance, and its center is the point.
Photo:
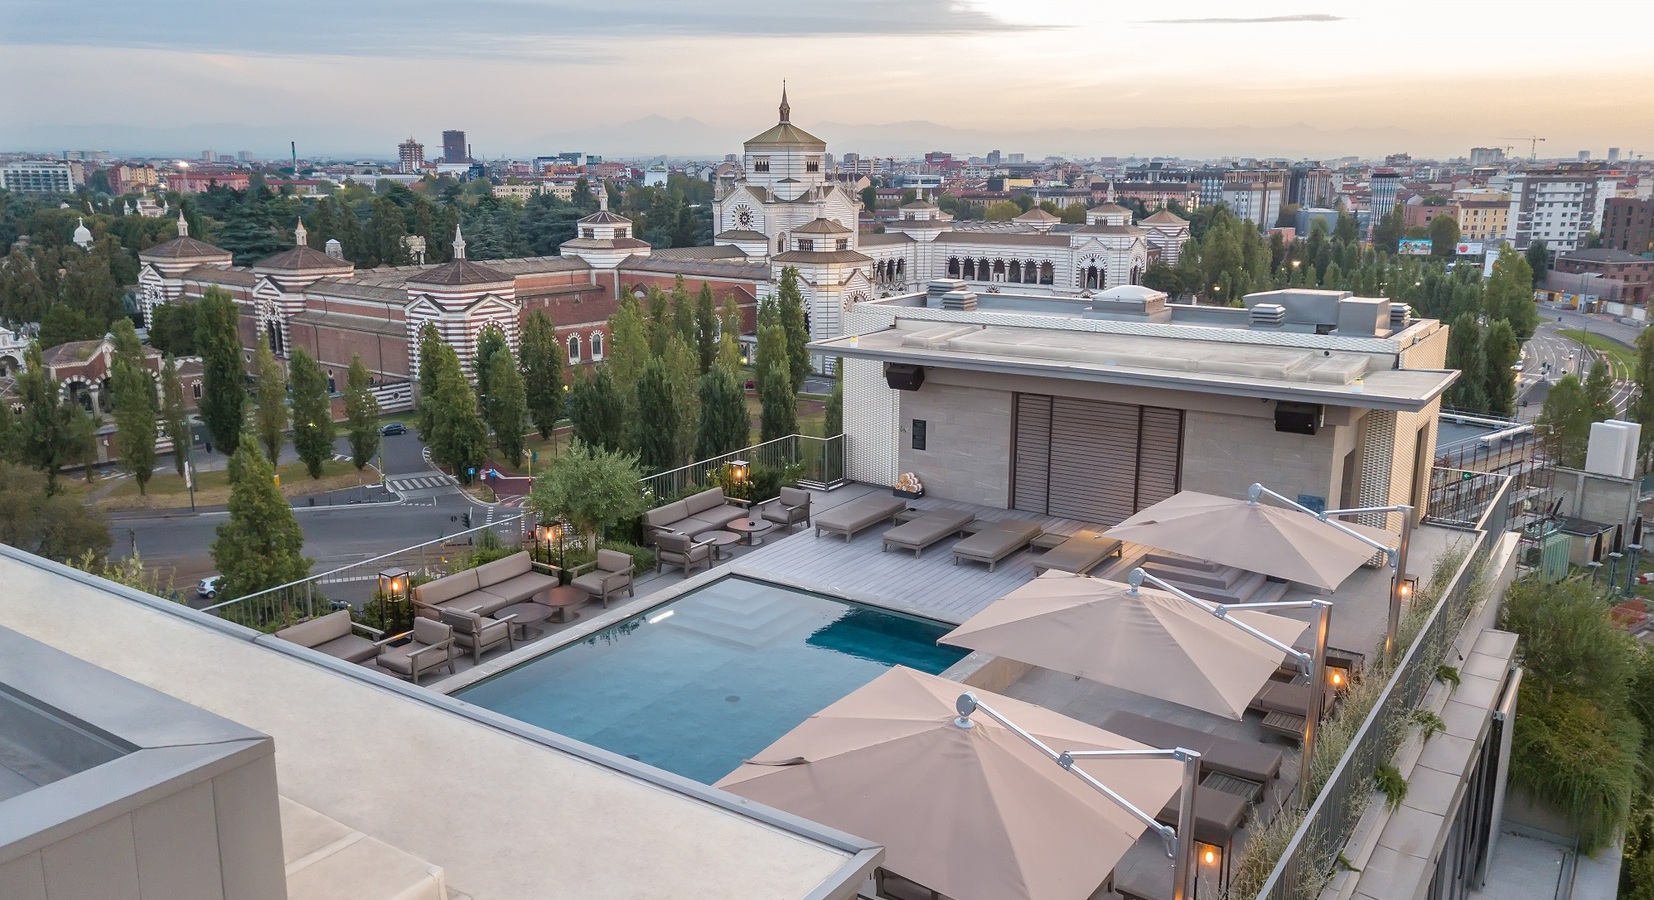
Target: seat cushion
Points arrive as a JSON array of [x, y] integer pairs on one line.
[[711, 498], [591, 583], [504, 569], [516, 590], [446, 588], [859, 514], [400, 659], [717, 517], [664, 516], [318, 631], [996, 540], [350, 648], [928, 528], [479, 601]]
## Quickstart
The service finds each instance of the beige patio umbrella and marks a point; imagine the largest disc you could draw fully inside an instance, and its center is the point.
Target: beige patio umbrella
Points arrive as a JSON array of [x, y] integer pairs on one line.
[[1258, 537], [976, 812], [1150, 642]]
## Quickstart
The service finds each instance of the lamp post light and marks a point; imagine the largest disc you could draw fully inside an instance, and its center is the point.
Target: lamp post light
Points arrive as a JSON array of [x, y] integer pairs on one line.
[[739, 470]]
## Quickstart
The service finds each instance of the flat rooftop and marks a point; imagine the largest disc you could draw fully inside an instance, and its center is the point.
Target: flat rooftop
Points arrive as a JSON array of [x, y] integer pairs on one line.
[[502, 807], [1195, 363]]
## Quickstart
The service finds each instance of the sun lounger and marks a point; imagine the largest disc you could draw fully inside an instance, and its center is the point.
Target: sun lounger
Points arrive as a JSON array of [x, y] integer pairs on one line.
[[1281, 696], [1082, 552], [1218, 815], [1242, 759], [859, 515], [995, 541], [927, 529]]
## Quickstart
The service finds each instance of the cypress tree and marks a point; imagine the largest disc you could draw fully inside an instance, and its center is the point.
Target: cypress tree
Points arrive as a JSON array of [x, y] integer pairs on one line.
[[47, 435], [270, 416], [595, 409], [1464, 352], [1499, 354], [724, 426], [780, 404], [791, 309], [223, 374], [134, 404], [361, 414], [312, 412], [430, 365], [729, 341], [261, 546], [834, 423], [657, 443], [706, 327], [541, 361], [459, 437], [682, 374], [489, 344], [507, 409]]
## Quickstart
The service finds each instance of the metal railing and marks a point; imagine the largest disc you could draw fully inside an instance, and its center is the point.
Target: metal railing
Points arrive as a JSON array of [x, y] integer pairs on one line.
[[820, 462], [1306, 864], [354, 584]]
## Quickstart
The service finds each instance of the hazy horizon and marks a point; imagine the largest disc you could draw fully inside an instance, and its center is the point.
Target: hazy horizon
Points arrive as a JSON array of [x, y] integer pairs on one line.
[[690, 78]]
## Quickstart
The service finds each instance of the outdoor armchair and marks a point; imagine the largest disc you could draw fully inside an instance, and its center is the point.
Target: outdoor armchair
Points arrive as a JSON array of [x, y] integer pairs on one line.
[[431, 647], [477, 633], [609, 573], [681, 550], [789, 509]]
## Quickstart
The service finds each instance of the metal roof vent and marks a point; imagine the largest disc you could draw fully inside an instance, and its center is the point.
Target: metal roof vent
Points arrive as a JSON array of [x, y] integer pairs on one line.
[[941, 286], [1268, 315], [1400, 315]]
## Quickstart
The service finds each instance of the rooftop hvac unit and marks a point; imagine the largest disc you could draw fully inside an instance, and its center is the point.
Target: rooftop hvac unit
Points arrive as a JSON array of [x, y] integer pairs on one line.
[[941, 286], [1268, 315], [965, 300], [1612, 449]]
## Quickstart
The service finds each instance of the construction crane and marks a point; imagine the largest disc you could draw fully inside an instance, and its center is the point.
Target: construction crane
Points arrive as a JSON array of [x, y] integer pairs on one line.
[[1533, 144]]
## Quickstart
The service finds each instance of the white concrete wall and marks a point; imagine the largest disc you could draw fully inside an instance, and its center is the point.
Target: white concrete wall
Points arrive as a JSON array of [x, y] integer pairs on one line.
[[967, 455], [1225, 453]]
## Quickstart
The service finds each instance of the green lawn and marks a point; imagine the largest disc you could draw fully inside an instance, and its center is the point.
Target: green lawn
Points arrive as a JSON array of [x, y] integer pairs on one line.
[[1622, 360], [212, 488]]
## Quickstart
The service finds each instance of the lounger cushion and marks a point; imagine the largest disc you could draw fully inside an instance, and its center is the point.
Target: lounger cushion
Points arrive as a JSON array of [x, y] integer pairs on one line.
[[447, 588], [504, 569], [714, 518], [516, 590], [928, 529], [859, 514], [1242, 759], [1218, 814], [1081, 553], [996, 540], [350, 648]]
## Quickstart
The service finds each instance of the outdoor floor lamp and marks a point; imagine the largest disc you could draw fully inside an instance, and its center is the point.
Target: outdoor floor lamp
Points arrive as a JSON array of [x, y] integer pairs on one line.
[[1401, 587], [1312, 664], [1180, 841]]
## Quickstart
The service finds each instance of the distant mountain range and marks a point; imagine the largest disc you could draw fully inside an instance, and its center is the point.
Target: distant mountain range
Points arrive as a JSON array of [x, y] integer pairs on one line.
[[691, 138]]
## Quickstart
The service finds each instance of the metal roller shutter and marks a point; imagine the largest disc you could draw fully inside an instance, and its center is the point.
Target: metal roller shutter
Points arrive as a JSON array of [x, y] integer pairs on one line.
[[1093, 460], [1159, 455], [1031, 465]]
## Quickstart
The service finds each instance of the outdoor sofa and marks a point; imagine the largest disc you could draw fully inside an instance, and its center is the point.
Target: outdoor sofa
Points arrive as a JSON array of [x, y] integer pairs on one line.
[[994, 541], [927, 529], [859, 515], [694, 515], [1243, 759], [789, 509], [1082, 552], [334, 634], [486, 589]]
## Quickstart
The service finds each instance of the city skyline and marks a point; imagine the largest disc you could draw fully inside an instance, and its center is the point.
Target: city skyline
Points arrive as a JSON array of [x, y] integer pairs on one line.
[[691, 79]]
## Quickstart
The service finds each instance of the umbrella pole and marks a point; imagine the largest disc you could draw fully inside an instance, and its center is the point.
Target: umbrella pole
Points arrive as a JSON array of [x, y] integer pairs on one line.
[[1317, 694], [1183, 868]]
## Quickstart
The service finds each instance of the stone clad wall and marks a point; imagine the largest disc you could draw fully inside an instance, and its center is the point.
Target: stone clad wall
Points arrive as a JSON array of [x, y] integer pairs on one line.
[[967, 440]]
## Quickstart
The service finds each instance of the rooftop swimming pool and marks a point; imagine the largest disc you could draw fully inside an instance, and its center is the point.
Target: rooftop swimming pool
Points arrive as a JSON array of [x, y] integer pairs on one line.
[[698, 684]]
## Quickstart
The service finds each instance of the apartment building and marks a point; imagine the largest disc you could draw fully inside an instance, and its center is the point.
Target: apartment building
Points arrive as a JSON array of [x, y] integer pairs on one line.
[[1559, 206]]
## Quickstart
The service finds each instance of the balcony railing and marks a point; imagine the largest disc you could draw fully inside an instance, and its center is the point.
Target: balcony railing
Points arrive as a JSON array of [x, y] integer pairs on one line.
[[820, 463], [1307, 862]]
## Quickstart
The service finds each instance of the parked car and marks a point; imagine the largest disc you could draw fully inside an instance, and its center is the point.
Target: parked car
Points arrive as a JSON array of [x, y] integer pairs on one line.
[[391, 428], [207, 588]]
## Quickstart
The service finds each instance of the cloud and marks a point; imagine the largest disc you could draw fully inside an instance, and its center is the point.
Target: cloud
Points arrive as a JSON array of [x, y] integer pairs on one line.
[[1248, 20], [530, 29]]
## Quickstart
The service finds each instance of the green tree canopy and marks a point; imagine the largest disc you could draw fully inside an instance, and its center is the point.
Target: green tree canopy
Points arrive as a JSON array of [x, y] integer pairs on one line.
[[706, 327], [459, 437], [430, 366], [361, 414], [1500, 352], [507, 409], [1509, 293], [724, 426], [729, 340], [1464, 352], [1444, 235], [270, 414], [1642, 405], [657, 443], [261, 546], [1599, 391], [312, 412], [55, 526], [595, 410], [591, 486], [834, 422], [790, 304], [682, 370], [779, 413], [175, 420], [172, 328], [1538, 259], [541, 360], [1565, 421], [133, 386], [48, 436], [223, 374]]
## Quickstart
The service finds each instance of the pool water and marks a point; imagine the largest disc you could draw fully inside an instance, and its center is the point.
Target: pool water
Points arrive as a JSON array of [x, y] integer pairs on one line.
[[698, 684]]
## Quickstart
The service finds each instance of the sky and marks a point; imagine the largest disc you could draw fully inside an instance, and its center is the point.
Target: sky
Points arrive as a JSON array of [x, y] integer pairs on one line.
[[695, 77]]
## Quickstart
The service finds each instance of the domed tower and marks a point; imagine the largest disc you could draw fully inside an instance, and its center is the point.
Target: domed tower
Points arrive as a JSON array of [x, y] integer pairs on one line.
[[786, 160], [461, 298], [604, 239], [282, 279], [83, 235]]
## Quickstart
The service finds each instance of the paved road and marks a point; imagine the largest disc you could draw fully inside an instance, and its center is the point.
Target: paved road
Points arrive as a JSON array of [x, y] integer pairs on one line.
[[1549, 355]]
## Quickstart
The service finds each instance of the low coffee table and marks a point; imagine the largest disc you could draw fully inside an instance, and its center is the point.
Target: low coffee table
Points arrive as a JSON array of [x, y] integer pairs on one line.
[[719, 540], [563, 600], [527, 614], [753, 529]]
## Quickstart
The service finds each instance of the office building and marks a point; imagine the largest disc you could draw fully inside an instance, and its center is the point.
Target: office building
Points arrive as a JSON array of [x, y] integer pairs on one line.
[[1383, 185], [1487, 156], [1628, 224], [453, 147]]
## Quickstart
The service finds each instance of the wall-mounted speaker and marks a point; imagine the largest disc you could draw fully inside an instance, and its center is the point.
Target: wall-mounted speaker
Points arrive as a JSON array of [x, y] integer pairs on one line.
[[903, 377], [1298, 418]]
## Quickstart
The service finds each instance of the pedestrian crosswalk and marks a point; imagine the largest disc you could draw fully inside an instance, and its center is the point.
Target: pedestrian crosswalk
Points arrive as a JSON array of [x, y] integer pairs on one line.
[[422, 481]]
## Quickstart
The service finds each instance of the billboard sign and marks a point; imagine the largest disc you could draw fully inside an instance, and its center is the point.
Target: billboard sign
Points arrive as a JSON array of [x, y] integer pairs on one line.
[[1413, 247], [1468, 249]]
